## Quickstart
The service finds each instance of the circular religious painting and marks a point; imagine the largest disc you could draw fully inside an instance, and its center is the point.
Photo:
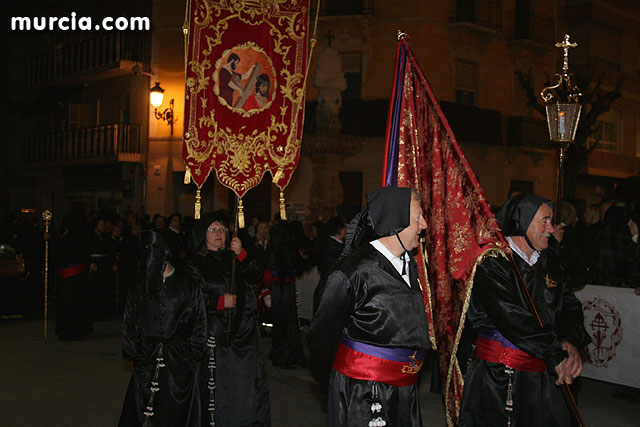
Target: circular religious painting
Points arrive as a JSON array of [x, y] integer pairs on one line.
[[245, 79]]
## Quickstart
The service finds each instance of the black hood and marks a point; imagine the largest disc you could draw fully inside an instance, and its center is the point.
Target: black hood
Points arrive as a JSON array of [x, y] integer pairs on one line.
[[518, 212], [386, 213]]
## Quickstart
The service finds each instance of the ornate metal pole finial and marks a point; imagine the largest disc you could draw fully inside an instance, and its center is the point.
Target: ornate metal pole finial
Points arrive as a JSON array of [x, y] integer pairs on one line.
[[402, 35], [565, 45]]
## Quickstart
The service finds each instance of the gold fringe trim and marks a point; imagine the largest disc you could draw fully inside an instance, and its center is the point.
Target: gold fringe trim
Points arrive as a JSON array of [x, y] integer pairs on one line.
[[187, 176], [425, 261], [196, 215], [240, 214], [283, 211], [453, 362]]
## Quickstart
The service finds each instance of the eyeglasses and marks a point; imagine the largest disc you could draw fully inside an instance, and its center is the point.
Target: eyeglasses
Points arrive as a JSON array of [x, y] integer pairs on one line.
[[217, 230]]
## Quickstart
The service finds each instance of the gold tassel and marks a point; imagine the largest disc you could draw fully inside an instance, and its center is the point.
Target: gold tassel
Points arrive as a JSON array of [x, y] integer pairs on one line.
[[283, 211], [187, 176], [198, 204], [240, 214]]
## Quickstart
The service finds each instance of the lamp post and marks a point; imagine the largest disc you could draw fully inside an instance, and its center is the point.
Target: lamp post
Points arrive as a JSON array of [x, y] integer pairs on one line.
[[156, 95], [563, 113]]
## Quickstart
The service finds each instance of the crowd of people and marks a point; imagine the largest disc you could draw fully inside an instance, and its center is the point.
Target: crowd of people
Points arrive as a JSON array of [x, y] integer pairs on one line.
[[197, 297]]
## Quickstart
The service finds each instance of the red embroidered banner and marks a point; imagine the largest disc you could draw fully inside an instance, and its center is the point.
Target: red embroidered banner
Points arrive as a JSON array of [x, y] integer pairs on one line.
[[244, 95], [423, 153]]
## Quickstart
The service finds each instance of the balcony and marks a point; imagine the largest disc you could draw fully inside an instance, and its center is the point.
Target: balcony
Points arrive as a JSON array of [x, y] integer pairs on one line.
[[534, 27], [106, 56], [473, 125], [528, 133], [108, 143], [482, 13]]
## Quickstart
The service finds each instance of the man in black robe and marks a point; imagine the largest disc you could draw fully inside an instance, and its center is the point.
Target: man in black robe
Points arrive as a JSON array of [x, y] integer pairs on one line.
[[518, 365], [371, 326]]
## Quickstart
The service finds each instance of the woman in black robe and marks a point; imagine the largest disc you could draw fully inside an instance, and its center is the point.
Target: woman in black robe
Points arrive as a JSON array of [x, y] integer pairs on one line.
[[164, 333], [233, 378]]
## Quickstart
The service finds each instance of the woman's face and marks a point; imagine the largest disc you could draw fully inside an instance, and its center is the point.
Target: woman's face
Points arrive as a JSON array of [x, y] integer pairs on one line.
[[216, 236]]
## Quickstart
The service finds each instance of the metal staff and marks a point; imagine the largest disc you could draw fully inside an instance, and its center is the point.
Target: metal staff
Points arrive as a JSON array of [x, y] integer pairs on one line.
[[46, 217], [566, 391], [232, 285]]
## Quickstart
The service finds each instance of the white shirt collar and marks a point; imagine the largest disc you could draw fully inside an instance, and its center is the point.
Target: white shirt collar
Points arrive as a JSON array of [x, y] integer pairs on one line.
[[394, 260], [336, 239], [529, 260]]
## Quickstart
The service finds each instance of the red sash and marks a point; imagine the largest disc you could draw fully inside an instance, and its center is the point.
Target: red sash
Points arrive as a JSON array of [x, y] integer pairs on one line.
[[494, 351], [71, 271], [363, 366]]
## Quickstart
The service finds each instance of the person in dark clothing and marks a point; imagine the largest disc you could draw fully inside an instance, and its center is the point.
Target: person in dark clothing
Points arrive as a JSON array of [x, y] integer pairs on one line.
[[101, 272], [129, 260], [232, 377], [178, 241], [71, 258], [329, 246], [164, 333], [610, 245], [371, 327], [517, 365], [286, 350]]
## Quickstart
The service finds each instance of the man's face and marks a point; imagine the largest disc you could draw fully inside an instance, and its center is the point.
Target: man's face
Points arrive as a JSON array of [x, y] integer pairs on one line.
[[234, 64], [263, 231], [540, 228], [410, 236], [633, 227], [263, 88], [100, 226], [175, 223]]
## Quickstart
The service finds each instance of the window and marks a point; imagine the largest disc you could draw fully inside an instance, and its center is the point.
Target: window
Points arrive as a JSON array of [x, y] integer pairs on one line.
[[352, 69], [608, 134], [466, 82]]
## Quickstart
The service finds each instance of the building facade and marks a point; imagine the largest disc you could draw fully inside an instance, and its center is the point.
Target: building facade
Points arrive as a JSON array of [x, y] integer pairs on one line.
[[79, 127]]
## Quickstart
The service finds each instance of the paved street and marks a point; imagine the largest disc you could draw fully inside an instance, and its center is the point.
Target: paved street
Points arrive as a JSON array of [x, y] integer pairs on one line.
[[83, 384]]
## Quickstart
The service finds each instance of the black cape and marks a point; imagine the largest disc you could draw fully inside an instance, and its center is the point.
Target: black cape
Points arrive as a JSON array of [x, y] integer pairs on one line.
[[497, 302], [368, 301], [174, 320]]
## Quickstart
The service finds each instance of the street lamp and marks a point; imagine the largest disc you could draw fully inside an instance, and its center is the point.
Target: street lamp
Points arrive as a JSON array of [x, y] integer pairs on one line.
[[156, 95], [563, 112]]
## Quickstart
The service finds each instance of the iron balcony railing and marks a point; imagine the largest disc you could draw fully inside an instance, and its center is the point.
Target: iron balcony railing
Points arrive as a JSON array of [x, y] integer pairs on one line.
[[534, 27], [95, 54], [485, 13], [102, 142]]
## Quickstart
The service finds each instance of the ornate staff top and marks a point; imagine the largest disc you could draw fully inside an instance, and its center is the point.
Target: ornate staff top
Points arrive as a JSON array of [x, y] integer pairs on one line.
[[565, 45], [572, 92], [402, 35], [47, 215]]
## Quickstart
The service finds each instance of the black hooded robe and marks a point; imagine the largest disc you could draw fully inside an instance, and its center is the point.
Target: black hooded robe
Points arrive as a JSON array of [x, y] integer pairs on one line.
[[498, 303], [367, 300], [241, 389], [175, 321]]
